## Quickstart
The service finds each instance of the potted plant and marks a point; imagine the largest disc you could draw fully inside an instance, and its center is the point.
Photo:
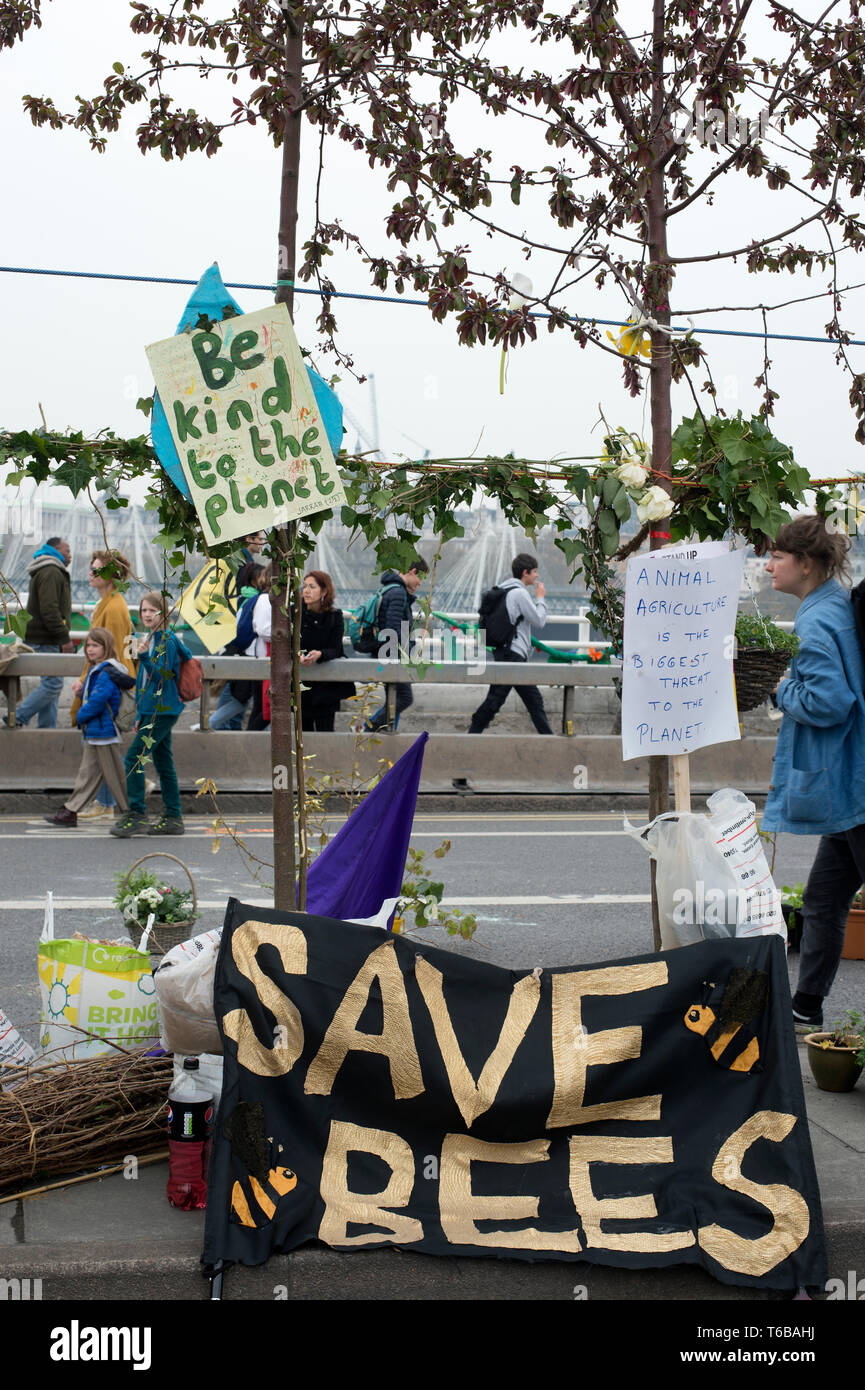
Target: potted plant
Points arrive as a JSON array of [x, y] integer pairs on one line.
[[763, 653], [141, 893], [791, 906], [837, 1058], [854, 937]]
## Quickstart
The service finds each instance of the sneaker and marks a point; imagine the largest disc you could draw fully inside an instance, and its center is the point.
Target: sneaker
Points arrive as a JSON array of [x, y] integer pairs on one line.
[[96, 812], [149, 787], [63, 817], [167, 825], [130, 824], [194, 728], [805, 1023]]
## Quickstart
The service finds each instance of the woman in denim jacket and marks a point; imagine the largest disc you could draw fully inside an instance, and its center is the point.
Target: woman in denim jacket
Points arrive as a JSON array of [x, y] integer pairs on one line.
[[818, 777]]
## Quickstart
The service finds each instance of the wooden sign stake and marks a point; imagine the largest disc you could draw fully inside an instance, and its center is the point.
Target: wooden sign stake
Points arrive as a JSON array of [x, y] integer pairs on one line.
[[682, 781]]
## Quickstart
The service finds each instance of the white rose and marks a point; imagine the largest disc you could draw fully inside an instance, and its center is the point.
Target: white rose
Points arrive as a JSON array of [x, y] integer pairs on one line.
[[521, 288], [654, 505], [632, 474]]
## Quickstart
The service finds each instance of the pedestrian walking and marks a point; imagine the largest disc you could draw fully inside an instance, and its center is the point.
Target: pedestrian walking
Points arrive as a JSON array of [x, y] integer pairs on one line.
[[321, 632], [49, 603], [393, 631], [100, 699], [111, 612], [250, 552], [236, 695], [262, 609], [818, 776], [513, 617], [159, 705]]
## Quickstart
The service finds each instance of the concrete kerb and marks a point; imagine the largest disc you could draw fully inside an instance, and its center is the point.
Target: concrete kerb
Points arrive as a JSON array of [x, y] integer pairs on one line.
[[47, 760]]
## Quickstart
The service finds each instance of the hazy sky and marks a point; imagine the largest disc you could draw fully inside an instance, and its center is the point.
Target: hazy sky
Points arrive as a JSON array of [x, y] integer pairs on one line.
[[78, 345]]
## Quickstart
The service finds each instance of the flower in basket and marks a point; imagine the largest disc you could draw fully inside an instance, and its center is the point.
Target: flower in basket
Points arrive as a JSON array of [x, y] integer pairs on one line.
[[141, 893]]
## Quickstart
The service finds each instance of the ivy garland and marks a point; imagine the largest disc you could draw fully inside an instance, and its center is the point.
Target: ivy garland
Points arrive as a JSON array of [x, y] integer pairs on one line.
[[729, 475]]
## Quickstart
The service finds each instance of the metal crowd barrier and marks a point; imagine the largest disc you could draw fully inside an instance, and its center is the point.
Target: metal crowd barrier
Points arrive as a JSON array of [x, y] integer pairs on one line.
[[361, 670]]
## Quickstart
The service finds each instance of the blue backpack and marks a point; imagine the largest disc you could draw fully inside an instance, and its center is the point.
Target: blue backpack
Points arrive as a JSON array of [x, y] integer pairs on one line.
[[362, 622], [245, 635]]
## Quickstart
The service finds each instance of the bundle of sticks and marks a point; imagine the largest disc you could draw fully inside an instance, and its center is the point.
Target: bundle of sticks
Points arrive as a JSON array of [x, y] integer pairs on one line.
[[71, 1116]]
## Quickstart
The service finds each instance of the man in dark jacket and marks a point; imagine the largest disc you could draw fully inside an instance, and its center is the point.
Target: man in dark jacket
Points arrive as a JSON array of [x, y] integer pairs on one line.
[[527, 616], [394, 626], [50, 607]]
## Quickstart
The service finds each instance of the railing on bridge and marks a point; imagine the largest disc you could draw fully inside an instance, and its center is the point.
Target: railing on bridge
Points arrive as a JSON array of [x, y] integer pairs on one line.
[[362, 670]]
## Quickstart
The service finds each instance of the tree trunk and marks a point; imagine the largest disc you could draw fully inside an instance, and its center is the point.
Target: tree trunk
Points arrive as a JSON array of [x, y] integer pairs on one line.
[[283, 678], [657, 299]]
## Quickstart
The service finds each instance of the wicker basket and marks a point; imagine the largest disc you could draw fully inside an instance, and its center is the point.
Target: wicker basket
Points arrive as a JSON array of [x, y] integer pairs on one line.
[[757, 672], [164, 935]]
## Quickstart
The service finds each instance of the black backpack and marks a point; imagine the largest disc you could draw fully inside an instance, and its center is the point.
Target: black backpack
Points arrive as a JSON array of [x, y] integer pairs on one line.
[[494, 619]]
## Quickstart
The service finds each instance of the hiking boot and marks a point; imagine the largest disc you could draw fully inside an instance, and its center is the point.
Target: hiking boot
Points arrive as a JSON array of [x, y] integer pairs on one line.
[[130, 824], [167, 825], [63, 817]]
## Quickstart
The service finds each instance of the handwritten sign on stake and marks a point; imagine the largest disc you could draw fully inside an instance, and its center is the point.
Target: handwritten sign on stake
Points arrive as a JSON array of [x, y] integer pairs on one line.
[[677, 667], [248, 431]]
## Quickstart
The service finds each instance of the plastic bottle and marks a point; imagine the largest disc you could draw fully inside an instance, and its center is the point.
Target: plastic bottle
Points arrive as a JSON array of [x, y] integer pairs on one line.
[[190, 1112]]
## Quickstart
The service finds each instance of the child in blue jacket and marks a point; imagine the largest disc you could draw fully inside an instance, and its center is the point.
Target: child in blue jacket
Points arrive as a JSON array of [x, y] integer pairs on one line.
[[159, 706], [100, 700]]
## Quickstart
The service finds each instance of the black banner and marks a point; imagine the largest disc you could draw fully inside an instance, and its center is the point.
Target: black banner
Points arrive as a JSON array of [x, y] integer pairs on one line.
[[641, 1112]]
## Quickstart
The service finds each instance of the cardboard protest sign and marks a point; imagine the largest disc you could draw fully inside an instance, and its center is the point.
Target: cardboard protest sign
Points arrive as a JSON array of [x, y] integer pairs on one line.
[[677, 665], [246, 424], [639, 1113], [209, 605]]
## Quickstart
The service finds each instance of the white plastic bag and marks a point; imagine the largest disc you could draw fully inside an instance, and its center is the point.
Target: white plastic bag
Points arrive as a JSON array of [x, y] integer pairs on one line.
[[13, 1048], [712, 877], [209, 1072], [184, 985]]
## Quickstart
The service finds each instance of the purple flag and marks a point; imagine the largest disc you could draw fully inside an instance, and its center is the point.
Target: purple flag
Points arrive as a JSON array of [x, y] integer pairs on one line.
[[358, 876]]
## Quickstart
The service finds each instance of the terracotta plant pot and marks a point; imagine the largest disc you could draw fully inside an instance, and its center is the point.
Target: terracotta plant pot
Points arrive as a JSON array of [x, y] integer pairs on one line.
[[854, 937], [833, 1068]]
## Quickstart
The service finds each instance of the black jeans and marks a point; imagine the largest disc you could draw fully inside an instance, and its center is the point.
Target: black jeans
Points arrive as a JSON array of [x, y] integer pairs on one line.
[[837, 873], [497, 694], [404, 698]]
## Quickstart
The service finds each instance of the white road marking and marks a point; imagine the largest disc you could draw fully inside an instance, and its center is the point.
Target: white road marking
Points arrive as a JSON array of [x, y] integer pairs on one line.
[[592, 899], [45, 833]]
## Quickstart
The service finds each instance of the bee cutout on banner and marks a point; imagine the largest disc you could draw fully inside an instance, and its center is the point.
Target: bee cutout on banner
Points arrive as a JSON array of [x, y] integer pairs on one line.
[[743, 1000]]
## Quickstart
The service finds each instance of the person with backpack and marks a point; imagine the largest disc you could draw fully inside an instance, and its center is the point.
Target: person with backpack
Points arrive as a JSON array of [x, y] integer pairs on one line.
[[236, 695], [818, 775], [390, 626], [262, 612], [111, 612], [508, 617], [104, 681], [159, 702]]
